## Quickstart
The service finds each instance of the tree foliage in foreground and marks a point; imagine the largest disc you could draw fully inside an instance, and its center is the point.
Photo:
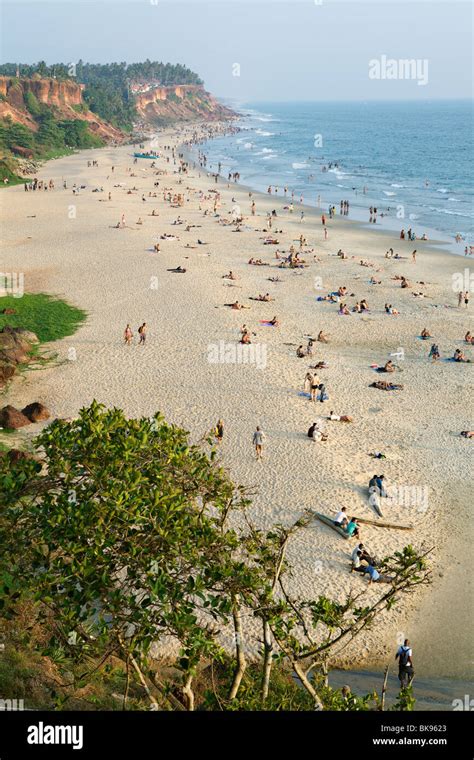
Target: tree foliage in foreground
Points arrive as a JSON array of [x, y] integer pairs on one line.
[[129, 536]]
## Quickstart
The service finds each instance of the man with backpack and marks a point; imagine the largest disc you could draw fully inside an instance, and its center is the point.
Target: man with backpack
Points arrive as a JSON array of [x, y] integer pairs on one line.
[[406, 671]]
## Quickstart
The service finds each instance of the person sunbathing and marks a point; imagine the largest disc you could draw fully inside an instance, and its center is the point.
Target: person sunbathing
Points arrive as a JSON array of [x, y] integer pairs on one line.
[[364, 305], [425, 334], [230, 276], [265, 297], [177, 269], [274, 279], [275, 322], [467, 433], [245, 339], [300, 352], [339, 417], [357, 308], [343, 310], [468, 338], [322, 338], [434, 352], [384, 385]]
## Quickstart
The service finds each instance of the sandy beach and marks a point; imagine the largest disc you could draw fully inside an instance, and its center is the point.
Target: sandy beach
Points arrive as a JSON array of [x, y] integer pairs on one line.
[[68, 245]]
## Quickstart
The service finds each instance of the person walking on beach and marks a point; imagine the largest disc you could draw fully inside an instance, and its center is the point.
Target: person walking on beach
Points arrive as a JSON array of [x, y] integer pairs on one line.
[[466, 299], [128, 335], [219, 431], [406, 671], [142, 333], [414, 256], [258, 441], [460, 298]]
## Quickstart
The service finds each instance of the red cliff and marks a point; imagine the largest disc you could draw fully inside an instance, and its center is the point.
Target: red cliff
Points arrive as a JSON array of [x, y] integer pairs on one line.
[[64, 97], [180, 103]]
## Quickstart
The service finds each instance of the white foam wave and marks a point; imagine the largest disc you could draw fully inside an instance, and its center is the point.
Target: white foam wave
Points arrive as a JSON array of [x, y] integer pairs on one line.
[[296, 165]]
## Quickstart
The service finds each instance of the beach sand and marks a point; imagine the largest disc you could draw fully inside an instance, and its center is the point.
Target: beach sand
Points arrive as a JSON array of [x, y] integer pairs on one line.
[[72, 250]]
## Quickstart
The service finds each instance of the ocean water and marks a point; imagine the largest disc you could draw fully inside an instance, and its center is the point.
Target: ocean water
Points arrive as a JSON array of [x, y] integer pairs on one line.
[[414, 160]]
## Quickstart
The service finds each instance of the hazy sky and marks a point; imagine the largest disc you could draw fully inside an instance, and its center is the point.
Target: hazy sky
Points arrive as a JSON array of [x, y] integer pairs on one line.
[[298, 50]]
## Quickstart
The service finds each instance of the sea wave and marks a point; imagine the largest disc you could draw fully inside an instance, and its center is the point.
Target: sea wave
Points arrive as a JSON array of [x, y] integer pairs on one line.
[[394, 184], [263, 133], [296, 165], [442, 190], [387, 192]]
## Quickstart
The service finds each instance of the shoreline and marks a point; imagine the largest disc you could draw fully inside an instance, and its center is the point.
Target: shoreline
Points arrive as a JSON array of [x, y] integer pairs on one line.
[[437, 238], [99, 268]]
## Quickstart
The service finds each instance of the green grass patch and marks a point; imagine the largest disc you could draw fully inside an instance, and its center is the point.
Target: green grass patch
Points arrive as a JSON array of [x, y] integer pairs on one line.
[[48, 317]]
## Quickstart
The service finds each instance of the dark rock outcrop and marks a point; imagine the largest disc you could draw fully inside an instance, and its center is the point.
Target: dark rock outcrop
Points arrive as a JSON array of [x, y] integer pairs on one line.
[[36, 412], [12, 419], [15, 345]]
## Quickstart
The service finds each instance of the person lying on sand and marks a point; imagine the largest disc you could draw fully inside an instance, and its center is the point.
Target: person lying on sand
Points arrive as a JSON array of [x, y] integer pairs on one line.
[[167, 236], [373, 281], [274, 279], [389, 309], [230, 276], [467, 433], [237, 305], [340, 417], [375, 577], [320, 365], [261, 297], [384, 385], [178, 269], [322, 338], [425, 334], [275, 322]]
